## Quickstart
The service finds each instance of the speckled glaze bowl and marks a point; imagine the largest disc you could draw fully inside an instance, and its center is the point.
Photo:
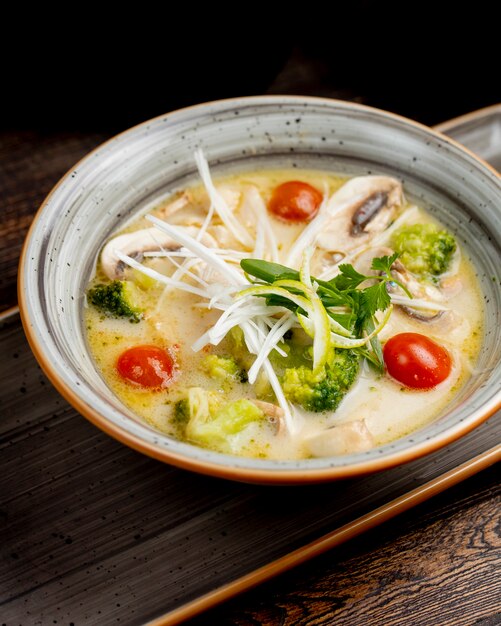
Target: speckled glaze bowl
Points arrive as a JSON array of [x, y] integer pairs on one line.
[[123, 176]]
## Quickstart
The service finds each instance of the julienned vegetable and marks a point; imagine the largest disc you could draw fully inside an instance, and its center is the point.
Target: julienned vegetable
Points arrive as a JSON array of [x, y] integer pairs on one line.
[[335, 313], [273, 323], [424, 248], [118, 299]]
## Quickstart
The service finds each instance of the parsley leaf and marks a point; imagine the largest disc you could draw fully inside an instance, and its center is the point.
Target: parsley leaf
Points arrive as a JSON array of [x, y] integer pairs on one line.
[[375, 298], [349, 278], [384, 263]]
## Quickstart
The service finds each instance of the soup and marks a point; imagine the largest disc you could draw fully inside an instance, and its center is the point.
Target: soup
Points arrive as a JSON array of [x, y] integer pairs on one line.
[[285, 314]]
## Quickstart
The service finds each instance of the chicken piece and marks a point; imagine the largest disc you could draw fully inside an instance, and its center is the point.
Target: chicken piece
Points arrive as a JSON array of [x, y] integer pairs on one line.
[[347, 438]]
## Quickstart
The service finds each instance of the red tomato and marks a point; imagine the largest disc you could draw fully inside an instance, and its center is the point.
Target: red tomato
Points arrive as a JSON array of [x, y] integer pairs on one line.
[[416, 361], [147, 366], [295, 201]]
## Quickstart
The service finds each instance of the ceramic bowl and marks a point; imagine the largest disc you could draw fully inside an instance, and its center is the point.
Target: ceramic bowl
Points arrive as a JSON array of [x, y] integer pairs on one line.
[[121, 177]]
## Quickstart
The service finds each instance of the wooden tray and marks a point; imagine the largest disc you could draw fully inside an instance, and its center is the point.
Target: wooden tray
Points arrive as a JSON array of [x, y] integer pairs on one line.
[[94, 532]]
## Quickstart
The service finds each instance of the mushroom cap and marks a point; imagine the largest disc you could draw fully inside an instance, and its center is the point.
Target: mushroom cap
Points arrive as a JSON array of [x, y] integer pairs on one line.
[[359, 210], [135, 244]]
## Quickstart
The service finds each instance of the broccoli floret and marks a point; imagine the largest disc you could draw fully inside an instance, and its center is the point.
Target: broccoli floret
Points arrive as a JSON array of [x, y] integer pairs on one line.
[[233, 417], [224, 368], [180, 416], [211, 423], [424, 249], [323, 389], [220, 367], [116, 299], [181, 412]]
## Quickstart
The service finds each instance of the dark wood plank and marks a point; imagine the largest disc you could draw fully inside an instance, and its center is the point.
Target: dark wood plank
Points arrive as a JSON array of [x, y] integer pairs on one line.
[[30, 165], [94, 531], [438, 564]]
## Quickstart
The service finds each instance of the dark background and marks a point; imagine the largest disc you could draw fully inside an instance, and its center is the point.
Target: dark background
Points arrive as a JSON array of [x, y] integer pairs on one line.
[[82, 69]]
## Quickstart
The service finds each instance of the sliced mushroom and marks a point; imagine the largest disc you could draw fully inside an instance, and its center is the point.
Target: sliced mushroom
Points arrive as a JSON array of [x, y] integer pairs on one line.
[[346, 438], [273, 412], [362, 208], [419, 290], [421, 316], [135, 244]]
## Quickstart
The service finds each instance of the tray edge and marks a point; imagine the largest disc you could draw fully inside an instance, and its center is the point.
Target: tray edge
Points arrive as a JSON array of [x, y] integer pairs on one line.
[[331, 540]]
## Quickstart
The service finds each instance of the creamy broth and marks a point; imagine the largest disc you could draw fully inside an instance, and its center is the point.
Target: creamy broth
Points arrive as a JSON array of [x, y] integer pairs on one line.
[[174, 320]]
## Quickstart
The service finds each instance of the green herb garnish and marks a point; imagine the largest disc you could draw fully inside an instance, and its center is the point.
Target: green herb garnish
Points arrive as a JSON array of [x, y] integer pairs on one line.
[[349, 308]]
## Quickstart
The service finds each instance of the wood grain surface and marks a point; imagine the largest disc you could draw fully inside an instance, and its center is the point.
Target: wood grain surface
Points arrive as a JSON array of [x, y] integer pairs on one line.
[[30, 165], [435, 565], [94, 532]]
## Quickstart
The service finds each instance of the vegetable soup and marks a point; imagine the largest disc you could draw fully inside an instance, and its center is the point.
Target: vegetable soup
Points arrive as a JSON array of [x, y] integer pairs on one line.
[[285, 314]]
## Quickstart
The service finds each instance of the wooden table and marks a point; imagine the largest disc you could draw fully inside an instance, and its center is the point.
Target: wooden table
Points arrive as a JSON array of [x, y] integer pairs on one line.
[[438, 564]]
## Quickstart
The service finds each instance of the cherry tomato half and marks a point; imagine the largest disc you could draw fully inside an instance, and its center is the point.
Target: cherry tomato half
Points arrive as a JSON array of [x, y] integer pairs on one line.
[[295, 201], [416, 361], [147, 366]]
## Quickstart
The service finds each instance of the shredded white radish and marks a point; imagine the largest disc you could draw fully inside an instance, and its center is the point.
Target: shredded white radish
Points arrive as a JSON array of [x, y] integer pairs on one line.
[[258, 252], [220, 330], [207, 221], [223, 295], [309, 234], [184, 253], [418, 304], [166, 280], [270, 343], [218, 202], [255, 203], [252, 343], [235, 277], [206, 254], [184, 269], [229, 313], [181, 269]]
